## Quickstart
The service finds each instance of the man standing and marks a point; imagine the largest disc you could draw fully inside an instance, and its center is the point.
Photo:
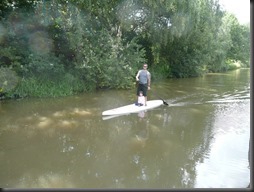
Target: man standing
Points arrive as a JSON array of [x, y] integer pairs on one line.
[[144, 78]]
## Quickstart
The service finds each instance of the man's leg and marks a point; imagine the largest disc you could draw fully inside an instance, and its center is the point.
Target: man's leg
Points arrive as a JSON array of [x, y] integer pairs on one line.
[[145, 94], [138, 90]]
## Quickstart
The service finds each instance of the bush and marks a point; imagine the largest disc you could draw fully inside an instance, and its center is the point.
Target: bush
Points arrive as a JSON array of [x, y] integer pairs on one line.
[[232, 64], [8, 79]]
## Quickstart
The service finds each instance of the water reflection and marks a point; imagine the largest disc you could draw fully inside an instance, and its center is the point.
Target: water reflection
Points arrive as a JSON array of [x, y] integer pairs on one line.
[[228, 151], [199, 140]]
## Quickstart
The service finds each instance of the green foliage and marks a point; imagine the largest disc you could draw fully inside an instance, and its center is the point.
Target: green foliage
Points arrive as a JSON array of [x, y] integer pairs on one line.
[[7, 6], [9, 57], [36, 87], [66, 47], [44, 66], [240, 36], [233, 64], [160, 72], [8, 79], [56, 86], [107, 60]]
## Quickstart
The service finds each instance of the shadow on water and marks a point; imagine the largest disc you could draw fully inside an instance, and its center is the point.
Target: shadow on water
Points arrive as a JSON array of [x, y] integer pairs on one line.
[[199, 141]]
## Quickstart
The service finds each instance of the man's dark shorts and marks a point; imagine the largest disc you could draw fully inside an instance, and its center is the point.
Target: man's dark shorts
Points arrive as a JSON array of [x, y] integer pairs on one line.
[[143, 88]]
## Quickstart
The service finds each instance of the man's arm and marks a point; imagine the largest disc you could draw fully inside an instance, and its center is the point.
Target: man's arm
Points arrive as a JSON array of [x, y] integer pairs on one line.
[[149, 79], [137, 79]]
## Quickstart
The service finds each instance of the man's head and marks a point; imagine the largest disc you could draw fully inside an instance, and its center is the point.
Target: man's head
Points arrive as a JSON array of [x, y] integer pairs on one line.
[[145, 66]]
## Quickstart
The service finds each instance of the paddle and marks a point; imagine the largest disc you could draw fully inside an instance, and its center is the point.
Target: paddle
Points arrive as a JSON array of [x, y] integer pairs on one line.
[[164, 102]]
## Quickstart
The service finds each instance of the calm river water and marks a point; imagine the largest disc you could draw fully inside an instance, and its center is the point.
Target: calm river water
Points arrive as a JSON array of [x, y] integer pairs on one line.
[[201, 140]]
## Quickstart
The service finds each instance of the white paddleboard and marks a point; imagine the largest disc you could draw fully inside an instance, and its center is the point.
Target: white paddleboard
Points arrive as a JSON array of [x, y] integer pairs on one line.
[[106, 117], [132, 108]]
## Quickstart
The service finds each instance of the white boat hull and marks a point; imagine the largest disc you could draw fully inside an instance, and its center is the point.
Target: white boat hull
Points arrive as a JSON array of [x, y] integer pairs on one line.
[[132, 108]]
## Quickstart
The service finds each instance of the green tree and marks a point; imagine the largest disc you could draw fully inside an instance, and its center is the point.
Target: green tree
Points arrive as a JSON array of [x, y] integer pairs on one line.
[[240, 41]]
